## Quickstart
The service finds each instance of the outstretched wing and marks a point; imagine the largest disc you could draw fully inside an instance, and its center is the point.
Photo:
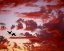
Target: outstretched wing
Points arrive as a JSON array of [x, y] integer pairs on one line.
[[9, 32], [13, 34]]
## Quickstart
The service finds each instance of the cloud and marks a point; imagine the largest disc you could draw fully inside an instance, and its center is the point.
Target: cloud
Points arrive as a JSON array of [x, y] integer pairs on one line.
[[19, 26], [32, 14], [35, 14], [36, 39], [4, 11], [13, 26], [2, 23], [55, 6], [53, 25], [30, 25], [43, 13], [3, 28], [15, 3], [20, 20], [27, 34], [54, 30], [2, 42]]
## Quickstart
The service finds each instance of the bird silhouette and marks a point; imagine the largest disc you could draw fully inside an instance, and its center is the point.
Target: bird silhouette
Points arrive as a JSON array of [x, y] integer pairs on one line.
[[13, 34], [9, 32]]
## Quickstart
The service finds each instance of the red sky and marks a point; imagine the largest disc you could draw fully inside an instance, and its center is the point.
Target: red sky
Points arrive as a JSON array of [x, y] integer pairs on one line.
[[40, 18]]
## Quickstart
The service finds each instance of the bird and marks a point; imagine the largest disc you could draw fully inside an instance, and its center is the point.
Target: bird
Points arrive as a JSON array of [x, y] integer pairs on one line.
[[13, 34], [9, 32]]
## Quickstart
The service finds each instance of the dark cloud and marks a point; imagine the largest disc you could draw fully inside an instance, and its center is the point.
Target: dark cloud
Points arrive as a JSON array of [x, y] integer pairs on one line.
[[51, 31], [20, 20], [56, 25], [32, 38], [2, 41], [19, 26], [54, 30], [2, 23], [30, 25], [27, 34], [13, 26]]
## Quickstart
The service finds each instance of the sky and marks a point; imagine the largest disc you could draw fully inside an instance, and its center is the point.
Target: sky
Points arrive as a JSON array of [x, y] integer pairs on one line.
[[21, 16]]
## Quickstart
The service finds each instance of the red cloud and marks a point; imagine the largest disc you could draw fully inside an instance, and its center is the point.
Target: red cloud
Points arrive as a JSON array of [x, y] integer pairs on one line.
[[3, 28], [19, 26], [30, 25], [20, 20], [33, 14], [55, 28], [38, 14], [60, 5], [36, 39], [13, 26], [14, 3]]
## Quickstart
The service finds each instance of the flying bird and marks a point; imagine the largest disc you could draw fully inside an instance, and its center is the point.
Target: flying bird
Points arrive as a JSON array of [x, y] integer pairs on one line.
[[13, 34], [9, 32]]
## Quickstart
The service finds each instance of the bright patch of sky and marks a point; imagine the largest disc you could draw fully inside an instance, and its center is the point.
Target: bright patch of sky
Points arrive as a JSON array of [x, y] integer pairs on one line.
[[40, 3], [62, 9]]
